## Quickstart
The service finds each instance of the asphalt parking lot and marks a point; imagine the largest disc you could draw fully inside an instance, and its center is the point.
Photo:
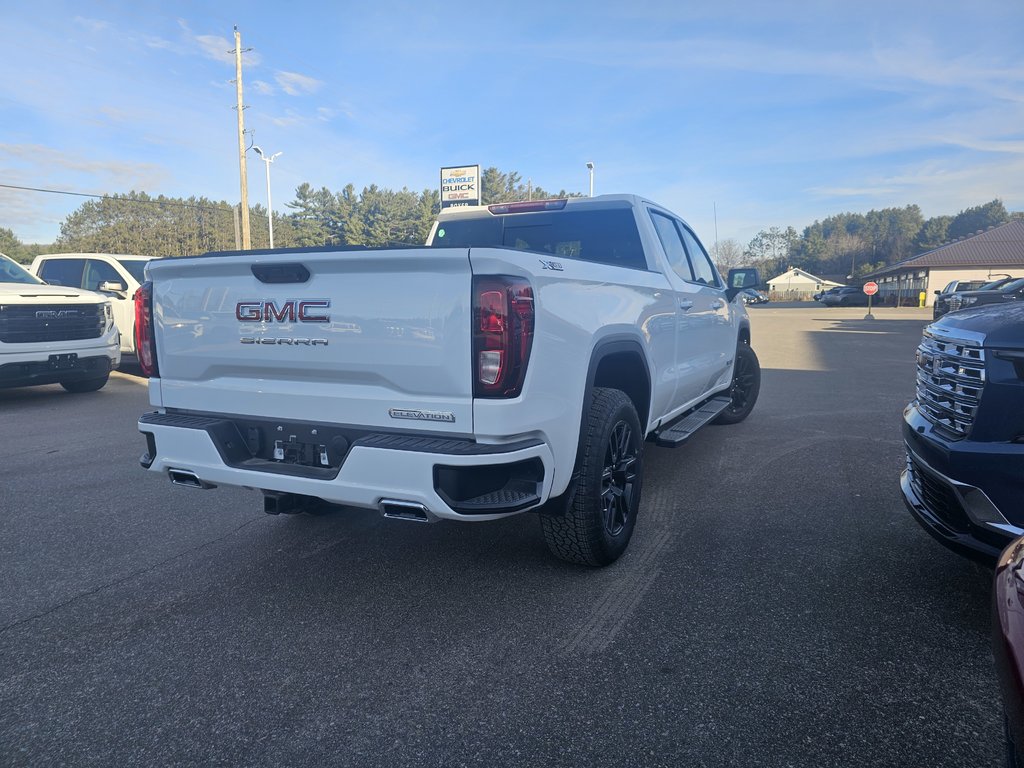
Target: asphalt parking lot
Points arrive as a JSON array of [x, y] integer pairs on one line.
[[777, 606]]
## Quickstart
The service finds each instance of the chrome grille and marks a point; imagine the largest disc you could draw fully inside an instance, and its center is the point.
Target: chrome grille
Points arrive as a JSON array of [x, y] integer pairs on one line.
[[32, 323], [950, 378]]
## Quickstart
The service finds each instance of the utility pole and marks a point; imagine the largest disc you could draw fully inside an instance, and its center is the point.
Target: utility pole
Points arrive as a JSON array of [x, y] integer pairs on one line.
[[246, 240]]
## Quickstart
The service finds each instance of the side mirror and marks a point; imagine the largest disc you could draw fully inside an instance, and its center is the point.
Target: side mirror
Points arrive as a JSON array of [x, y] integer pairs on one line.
[[938, 293], [740, 279], [111, 286]]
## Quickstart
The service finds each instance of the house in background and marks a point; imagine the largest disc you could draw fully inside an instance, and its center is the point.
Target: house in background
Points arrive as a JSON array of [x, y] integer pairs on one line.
[[797, 285], [994, 253]]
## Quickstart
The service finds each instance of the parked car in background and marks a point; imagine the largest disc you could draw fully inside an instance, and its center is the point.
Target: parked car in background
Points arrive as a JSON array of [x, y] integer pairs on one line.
[[116, 277], [830, 292], [1006, 291], [964, 432], [1008, 645], [51, 334], [963, 285], [850, 296], [752, 296], [941, 305]]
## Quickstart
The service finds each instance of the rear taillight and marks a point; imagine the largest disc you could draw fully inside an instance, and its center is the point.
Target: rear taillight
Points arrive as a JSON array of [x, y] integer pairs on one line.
[[503, 318], [145, 344]]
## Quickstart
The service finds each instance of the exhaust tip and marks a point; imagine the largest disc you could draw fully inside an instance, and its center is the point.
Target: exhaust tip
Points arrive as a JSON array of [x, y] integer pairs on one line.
[[405, 510], [188, 479]]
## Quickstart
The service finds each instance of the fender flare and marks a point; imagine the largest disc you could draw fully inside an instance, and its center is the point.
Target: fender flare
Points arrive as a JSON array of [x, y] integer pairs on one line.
[[614, 344]]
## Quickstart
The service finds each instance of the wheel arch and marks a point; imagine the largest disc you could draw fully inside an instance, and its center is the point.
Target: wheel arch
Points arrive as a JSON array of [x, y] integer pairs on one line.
[[744, 334], [619, 363]]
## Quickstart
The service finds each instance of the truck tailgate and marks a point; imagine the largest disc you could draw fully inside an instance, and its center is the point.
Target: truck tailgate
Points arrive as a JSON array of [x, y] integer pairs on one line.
[[376, 338]]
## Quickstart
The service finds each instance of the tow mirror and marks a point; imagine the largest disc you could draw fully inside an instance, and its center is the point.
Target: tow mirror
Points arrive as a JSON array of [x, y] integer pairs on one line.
[[741, 279]]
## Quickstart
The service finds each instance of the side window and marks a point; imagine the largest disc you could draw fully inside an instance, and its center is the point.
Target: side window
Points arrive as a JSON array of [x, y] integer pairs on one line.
[[66, 272], [669, 236], [97, 272], [704, 272]]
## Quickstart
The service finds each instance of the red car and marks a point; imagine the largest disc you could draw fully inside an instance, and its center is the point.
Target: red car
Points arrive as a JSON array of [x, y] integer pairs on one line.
[[1008, 645]]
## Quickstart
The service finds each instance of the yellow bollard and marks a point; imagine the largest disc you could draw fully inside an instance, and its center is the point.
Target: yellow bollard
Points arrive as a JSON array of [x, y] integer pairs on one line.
[[921, 297]]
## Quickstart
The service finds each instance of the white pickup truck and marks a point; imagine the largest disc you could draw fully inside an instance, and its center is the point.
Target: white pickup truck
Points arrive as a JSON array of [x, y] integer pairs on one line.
[[518, 362], [51, 334]]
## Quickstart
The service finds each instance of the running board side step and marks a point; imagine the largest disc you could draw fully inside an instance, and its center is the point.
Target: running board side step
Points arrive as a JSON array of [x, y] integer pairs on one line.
[[680, 431]]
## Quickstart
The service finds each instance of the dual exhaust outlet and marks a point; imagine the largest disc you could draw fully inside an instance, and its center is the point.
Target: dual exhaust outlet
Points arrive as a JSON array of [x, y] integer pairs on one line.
[[277, 503]]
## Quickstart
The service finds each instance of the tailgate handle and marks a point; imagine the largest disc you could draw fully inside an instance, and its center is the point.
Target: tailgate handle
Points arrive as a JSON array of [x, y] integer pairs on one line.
[[280, 273]]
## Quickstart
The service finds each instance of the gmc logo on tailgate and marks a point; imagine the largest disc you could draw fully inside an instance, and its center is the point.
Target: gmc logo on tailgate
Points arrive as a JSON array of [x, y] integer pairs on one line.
[[290, 311]]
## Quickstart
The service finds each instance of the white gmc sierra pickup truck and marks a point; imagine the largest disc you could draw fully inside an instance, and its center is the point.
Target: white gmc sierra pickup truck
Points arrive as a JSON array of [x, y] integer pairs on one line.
[[50, 334], [518, 362]]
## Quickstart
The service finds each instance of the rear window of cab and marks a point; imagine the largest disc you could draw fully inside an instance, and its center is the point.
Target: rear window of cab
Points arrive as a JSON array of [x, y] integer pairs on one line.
[[606, 236]]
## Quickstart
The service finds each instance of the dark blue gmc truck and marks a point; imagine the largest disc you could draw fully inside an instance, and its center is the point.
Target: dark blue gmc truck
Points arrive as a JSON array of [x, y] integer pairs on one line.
[[964, 433]]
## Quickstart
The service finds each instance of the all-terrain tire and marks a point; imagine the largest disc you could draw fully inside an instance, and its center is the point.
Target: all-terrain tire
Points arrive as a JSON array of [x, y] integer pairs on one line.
[[596, 522], [746, 384], [86, 385]]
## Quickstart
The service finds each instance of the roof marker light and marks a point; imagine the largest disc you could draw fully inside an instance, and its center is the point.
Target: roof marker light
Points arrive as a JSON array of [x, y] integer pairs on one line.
[[528, 206]]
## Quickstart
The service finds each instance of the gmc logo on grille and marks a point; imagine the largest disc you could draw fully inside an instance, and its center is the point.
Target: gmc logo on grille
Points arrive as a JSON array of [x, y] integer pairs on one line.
[[56, 314], [291, 311]]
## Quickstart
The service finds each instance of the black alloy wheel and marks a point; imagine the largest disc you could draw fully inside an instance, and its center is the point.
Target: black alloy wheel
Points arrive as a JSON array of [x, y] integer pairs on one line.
[[593, 521], [619, 478], [746, 384]]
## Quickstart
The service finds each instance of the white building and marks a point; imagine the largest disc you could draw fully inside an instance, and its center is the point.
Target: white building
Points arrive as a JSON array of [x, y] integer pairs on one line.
[[797, 285]]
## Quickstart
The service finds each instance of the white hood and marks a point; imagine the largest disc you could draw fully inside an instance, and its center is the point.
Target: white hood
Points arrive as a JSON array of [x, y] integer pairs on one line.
[[26, 293]]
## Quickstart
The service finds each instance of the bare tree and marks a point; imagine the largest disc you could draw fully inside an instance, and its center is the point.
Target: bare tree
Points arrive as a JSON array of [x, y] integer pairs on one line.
[[728, 255]]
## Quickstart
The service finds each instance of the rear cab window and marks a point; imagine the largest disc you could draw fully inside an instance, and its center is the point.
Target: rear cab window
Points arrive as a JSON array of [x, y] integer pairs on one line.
[[603, 236]]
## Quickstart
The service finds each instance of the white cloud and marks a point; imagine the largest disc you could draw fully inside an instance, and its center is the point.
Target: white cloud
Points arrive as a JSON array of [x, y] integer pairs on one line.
[[983, 145], [160, 44], [295, 84], [217, 47], [93, 25], [290, 120], [46, 162], [866, 191], [326, 114], [263, 88], [938, 186]]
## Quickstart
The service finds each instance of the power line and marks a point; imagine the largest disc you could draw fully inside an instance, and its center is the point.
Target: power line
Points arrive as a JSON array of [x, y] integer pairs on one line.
[[226, 207]]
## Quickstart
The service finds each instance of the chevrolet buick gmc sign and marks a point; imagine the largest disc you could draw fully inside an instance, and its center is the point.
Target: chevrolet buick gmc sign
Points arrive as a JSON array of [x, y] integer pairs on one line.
[[460, 186]]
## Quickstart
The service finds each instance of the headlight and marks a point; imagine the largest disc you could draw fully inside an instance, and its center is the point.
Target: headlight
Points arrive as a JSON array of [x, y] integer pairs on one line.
[[108, 313], [966, 301]]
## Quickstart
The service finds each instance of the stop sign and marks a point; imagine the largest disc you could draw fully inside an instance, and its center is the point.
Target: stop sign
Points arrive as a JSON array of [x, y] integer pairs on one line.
[[871, 288]]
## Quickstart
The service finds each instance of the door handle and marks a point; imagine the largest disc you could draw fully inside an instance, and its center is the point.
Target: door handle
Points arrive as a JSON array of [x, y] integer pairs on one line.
[[717, 304], [685, 304]]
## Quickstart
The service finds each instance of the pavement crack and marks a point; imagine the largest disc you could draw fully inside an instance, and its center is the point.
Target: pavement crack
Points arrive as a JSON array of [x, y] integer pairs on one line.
[[123, 579]]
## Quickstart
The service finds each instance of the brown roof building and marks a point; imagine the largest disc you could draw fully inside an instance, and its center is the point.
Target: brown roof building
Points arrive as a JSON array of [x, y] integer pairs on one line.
[[996, 252]]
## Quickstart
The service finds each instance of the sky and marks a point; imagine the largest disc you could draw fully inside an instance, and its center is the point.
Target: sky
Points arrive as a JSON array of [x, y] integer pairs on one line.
[[738, 116]]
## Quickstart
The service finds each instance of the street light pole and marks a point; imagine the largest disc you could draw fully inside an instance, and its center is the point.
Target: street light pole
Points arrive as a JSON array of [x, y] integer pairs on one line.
[[270, 205], [590, 167]]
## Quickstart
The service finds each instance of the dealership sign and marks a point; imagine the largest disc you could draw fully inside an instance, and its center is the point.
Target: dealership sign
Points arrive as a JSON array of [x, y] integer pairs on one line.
[[460, 186]]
